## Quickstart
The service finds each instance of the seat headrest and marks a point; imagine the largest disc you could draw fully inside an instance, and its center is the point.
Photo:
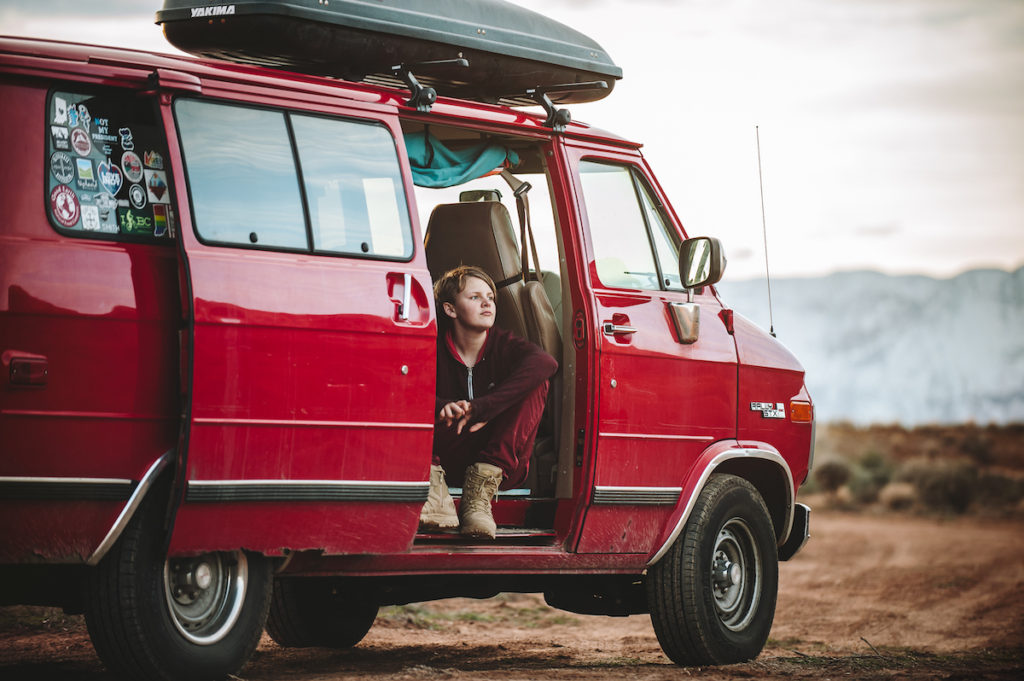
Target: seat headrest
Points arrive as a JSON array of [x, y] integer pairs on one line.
[[478, 233]]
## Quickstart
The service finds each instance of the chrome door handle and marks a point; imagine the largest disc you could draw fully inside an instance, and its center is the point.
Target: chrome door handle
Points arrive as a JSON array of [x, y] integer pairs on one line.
[[403, 307], [614, 329]]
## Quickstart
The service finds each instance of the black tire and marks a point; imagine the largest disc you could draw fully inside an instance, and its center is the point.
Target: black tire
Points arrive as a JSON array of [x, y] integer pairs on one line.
[[712, 595], [145, 621], [309, 612]]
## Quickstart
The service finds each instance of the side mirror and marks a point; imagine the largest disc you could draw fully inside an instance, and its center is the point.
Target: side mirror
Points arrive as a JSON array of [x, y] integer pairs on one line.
[[701, 262]]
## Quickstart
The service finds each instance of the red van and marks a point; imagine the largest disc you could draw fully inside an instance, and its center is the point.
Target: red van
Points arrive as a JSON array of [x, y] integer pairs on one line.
[[218, 341]]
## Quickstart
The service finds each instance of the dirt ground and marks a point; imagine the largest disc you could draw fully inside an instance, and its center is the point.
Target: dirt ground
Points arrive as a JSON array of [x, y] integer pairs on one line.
[[869, 597]]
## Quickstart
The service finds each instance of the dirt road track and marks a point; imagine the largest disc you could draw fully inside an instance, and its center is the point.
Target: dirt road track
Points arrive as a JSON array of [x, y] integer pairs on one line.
[[870, 597]]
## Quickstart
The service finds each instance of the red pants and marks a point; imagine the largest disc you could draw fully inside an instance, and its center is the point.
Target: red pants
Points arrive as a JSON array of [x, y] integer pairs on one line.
[[506, 442]]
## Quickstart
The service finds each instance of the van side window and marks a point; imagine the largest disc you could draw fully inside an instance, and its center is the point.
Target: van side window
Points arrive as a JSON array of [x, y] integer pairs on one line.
[[354, 187], [634, 246], [241, 174], [269, 178], [106, 173]]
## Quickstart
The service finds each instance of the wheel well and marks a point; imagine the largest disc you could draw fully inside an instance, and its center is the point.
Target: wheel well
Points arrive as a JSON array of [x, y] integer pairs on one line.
[[770, 481]]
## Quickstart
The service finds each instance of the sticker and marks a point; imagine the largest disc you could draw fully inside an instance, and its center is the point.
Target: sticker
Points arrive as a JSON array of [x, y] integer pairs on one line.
[[72, 116], [137, 196], [132, 166], [159, 219], [64, 205], [90, 218], [61, 137], [156, 185], [62, 167], [86, 178], [134, 221], [127, 143], [80, 141], [60, 111], [84, 119], [110, 177], [154, 160], [105, 204]]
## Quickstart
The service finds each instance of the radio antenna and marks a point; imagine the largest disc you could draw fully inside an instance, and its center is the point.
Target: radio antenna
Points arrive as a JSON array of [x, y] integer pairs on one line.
[[764, 232]]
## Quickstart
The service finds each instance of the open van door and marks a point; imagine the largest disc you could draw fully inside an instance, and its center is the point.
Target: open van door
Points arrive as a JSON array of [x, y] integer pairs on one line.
[[666, 390], [309, 344]]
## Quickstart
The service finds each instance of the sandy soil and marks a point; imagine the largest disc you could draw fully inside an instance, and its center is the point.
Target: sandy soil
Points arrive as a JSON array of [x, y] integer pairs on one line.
[[870, 597]]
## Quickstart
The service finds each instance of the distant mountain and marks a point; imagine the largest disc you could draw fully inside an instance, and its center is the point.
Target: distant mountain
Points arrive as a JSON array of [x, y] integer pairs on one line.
[[901, 349]]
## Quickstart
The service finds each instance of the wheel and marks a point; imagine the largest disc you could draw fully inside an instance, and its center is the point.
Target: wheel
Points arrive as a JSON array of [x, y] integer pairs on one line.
[[712, 595], [175, 619], [316, 613]]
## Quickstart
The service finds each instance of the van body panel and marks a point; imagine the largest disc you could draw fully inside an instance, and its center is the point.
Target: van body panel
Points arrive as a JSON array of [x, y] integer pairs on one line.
[[770, 374]]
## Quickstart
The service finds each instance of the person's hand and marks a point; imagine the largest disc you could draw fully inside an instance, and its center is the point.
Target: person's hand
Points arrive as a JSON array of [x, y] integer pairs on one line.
[[459, 413]]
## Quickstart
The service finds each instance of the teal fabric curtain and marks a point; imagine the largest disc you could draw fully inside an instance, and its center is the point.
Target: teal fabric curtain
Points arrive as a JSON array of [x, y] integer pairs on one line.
[[435, 165]]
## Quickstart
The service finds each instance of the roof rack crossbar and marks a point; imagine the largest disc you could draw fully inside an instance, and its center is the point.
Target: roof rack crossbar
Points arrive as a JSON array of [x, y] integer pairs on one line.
[[423, 97]]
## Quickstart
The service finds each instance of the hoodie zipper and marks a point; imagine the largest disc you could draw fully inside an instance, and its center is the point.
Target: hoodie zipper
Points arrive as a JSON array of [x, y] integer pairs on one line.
[[469, 381]]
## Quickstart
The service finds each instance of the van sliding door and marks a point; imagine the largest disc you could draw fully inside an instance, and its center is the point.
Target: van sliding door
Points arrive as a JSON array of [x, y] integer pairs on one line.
[[311, 335]]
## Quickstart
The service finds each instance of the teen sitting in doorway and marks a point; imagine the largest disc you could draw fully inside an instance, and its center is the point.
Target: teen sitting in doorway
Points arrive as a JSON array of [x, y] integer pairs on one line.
[[491, 387]]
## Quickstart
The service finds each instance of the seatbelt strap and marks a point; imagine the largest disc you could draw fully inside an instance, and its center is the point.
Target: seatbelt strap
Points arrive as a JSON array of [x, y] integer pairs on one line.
[[520, 189]]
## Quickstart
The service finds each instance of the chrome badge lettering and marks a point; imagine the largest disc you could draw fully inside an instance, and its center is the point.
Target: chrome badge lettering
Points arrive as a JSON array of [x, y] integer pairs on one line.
[[769, 410], [215, 11]]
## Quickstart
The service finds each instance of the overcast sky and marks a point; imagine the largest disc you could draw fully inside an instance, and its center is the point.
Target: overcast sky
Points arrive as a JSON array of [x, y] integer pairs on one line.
[[892, 131]]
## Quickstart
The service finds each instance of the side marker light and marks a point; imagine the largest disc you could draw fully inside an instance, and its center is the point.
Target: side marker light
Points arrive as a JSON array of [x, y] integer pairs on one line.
[[801, 412]]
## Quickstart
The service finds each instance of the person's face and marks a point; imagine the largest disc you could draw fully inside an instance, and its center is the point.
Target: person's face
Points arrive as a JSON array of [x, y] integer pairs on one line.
[[474, 306]]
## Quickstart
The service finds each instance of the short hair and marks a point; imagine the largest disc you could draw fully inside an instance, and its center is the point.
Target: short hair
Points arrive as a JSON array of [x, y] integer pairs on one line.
[[453, 281]]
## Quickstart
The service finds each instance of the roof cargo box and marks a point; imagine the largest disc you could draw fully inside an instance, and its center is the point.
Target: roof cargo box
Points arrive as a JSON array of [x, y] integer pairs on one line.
[[509, 49]]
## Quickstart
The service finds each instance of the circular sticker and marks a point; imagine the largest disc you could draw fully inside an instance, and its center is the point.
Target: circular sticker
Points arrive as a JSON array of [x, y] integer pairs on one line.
[[132, 165], [64, 204], [62, 167], [137, 195], [80, 141]]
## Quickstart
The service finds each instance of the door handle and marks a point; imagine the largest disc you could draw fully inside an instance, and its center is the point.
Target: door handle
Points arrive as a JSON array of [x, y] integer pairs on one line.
[[403, 307], [611, 329]]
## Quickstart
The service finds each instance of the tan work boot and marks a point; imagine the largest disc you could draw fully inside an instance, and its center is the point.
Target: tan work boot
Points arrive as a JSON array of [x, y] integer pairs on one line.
[[439, 511], [480, 487]]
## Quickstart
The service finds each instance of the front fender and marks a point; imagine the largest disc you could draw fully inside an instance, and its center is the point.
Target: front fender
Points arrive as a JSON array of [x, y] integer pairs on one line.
[[759, 463]]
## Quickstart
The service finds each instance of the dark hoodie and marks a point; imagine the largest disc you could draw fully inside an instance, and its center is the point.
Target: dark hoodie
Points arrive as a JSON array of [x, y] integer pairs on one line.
[[507, 370]]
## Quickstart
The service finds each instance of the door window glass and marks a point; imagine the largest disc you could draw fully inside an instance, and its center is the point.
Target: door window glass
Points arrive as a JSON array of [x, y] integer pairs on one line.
[[666, 243], [106, 175], [241, 174], [622, 248], [353, 186]]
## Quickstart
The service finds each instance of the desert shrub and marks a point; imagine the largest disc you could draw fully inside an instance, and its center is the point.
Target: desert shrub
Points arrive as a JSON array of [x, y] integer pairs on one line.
[[831, 475], [943, 485], [873, 472], [997, 491], [898, 496], [976, 448], [877, 467], [864, 488]]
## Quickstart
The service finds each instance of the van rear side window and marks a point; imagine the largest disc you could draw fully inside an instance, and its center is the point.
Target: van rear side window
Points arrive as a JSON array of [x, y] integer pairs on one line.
[[106, 172], [275, 179]]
